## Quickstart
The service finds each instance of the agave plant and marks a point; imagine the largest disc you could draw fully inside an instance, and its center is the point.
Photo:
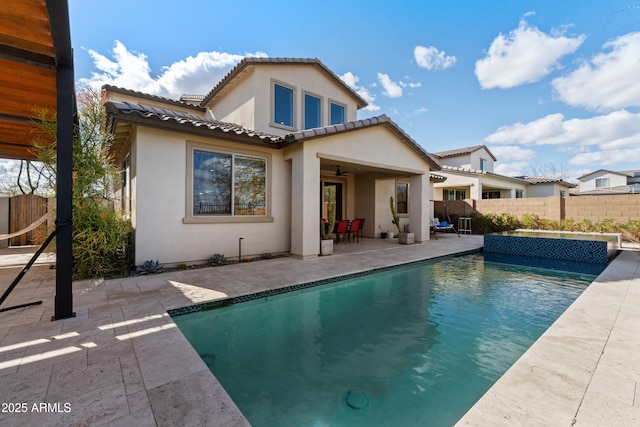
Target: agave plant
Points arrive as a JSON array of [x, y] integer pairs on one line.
[[151, 266], [217, 259]]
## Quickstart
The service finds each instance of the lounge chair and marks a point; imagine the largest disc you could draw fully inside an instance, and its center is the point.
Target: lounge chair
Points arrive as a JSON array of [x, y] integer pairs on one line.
[[441, 227]]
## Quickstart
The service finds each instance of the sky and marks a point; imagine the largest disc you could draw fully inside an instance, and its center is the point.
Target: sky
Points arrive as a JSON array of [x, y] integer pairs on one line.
[[549, 86]]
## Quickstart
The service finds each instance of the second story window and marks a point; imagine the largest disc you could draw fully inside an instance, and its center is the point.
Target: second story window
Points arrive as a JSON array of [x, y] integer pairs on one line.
[[602, 182], [483, 165], [312, 111], [282, 105], [337, 114]]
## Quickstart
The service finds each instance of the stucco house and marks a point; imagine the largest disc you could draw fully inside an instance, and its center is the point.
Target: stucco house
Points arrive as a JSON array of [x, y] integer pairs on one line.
[[256, 161], [469, 173], [604, 181]]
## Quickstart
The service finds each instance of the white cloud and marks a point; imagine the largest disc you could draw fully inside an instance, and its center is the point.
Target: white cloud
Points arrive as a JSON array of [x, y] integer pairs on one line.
[[431, 58], [606, 157], [511, 169], [193, 75], [609, 81], [419, 111], [525, 55], [389, 87], [599, 140], [352, 81], [618, 129], [512, 152]]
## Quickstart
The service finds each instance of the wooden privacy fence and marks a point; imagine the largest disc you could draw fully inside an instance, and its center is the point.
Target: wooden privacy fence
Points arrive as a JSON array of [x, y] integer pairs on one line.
[[619, 207], [23, 211]]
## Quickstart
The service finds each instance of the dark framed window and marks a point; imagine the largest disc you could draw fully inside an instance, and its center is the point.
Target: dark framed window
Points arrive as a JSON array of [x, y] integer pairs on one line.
[[227, 184], [402, 197], [454, 194], [337, 114], [483, 165], [602, 182], [282, 105], [312, 111]]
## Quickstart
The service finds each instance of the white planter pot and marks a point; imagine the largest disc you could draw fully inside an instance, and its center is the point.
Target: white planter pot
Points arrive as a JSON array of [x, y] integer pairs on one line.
[[326, 247], [391, 235]]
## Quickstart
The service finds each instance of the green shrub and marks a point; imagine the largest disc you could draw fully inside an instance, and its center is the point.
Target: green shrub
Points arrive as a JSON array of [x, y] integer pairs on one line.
[[101, 241], [490, 223]]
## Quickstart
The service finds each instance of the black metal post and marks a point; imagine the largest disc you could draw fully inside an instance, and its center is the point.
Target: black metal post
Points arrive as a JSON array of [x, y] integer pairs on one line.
[[66, 118]]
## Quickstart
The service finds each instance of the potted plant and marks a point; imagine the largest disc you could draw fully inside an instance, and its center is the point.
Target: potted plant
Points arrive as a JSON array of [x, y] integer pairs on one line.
[[326, 230], [383, 234], [404, 236]]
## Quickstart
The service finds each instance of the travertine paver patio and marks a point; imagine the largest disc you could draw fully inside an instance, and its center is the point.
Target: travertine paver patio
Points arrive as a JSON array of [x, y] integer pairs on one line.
[[122, 361]]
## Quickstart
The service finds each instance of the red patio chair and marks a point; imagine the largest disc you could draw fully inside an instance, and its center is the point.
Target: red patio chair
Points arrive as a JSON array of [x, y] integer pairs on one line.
[[360, 227], [341, 229], [353, 229]]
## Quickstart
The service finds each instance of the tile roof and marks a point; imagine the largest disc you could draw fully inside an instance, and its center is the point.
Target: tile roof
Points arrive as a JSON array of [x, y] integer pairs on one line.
[[143, 95], [620, 189], [244, 63], [184, 121], [462, 151], [545, 180], [633, 173], [446, 168], [303, 135]]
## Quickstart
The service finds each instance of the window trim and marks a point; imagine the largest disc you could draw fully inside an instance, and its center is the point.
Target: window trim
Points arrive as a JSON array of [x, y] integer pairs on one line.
[[605, 180], [190, 218], [294, 101], [344, 111], [320, 99]]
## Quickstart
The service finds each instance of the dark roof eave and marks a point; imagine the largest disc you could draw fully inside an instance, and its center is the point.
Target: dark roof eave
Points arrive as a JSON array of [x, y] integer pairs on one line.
[[115, 116], [147, 96]]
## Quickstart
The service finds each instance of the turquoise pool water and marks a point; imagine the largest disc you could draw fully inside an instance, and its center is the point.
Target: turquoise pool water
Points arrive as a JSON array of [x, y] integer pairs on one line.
[[415, 346]]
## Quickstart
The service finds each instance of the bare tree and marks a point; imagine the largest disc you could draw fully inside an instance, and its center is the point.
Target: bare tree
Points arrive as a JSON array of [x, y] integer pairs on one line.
[[553, 169], [24, 177]]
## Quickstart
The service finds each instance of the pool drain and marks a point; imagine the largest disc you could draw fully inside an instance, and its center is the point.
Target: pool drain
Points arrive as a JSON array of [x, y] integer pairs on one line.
[[208, 359], [356, 399]]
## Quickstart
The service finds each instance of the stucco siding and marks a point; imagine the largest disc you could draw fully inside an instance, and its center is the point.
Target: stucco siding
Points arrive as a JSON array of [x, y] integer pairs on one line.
[[161, 206], [250, 102]]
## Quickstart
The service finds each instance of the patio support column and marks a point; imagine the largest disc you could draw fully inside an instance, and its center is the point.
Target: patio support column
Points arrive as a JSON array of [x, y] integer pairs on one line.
[[305, 204], [476, 191], [66, 101], [419, 206]]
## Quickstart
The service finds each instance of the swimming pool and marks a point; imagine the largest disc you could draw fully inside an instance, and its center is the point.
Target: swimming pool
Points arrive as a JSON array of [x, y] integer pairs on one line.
[[417, 345]]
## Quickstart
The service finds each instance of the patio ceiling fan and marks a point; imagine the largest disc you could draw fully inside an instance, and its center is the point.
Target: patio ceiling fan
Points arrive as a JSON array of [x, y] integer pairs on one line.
[[339, 172]]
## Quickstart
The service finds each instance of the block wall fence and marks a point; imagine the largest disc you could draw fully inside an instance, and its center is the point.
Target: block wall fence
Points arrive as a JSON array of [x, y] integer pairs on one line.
[[619, 207]]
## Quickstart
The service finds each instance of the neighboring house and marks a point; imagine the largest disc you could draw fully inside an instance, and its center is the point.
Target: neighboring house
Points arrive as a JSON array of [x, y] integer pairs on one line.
[[605, 181], [257, 160], [545, 187], [469, 175]]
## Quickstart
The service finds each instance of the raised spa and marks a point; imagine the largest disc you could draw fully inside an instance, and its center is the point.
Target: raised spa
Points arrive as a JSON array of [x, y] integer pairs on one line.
[[562, 250]]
